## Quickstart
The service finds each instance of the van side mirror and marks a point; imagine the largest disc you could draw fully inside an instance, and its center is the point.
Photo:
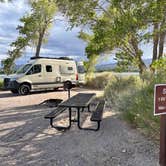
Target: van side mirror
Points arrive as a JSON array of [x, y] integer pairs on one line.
[[29, 72]]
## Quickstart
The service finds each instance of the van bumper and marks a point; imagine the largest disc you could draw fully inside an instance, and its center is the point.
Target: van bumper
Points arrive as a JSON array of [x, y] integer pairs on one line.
[[75, 84], [11, 85], [81, 82]]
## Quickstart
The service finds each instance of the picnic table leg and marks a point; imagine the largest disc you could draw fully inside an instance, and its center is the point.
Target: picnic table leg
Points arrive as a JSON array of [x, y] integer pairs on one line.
[[78, 118], [62, 127], [89, 108], [51, 122], [70, 120], [83, 109], [79, 126]]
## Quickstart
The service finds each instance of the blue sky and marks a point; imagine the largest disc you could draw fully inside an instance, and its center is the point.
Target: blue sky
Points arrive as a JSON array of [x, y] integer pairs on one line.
[[61, 42]]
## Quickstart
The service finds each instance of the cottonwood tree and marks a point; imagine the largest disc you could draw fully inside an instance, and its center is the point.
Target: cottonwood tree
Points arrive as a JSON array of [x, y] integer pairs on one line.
[[34, 28], [121, 25], [158, 10]]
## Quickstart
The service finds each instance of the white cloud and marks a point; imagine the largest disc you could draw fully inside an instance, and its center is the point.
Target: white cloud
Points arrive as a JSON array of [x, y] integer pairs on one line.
[[4, 39], [2, 56], [60, 43], [44, 51], [17, 6]]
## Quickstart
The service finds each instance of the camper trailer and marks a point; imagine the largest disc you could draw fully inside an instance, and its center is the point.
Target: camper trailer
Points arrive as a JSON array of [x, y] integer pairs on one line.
[[43, 73]]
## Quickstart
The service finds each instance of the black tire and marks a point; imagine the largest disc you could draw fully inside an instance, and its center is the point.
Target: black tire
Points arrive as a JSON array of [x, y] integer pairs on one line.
[[56, 89], [67, 85], [24, 89], [14, 91]]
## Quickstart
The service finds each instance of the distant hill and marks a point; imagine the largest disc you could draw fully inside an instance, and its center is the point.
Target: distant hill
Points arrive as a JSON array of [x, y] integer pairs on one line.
[[111, 66], [105, 67]]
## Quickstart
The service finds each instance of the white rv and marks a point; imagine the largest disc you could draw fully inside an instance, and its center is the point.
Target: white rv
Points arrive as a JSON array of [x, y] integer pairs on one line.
[[42, 73]]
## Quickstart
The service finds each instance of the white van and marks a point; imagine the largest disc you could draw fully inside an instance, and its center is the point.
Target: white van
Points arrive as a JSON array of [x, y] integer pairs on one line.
[[42, 73]]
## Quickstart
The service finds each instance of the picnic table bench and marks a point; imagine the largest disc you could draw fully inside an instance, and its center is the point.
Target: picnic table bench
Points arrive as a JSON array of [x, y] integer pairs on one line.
[[79, 101], [57, 111], [97, 115]]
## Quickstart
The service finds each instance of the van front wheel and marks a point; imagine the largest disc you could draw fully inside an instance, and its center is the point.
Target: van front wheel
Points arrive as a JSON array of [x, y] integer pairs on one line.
[[24, 89]]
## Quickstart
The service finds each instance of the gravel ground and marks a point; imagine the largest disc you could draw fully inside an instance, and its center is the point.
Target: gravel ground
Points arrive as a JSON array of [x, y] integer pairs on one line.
[[26, 139]]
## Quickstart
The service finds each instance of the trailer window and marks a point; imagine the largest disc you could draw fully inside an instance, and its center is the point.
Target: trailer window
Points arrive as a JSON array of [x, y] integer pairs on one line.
[[48, 68], [34, 70]]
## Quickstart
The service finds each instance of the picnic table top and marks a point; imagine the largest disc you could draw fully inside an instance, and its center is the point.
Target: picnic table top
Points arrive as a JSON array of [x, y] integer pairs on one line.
[[79, 100]]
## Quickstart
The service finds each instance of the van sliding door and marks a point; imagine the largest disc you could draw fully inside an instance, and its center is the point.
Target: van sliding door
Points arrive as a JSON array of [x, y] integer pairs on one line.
[[51, 74]]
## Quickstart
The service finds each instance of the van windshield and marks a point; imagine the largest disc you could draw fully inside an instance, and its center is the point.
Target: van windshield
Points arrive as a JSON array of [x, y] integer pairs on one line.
[[23, 69]]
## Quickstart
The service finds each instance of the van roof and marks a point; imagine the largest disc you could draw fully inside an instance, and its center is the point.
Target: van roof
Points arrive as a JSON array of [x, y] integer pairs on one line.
[[60, 58]]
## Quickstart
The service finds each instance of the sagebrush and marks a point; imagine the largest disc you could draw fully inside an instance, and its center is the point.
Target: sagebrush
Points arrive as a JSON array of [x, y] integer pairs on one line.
[[133, 97], [1, 84], [100, 80]]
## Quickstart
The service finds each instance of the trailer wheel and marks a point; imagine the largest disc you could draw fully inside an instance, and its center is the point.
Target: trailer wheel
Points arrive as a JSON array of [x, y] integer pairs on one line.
[[24, 89]]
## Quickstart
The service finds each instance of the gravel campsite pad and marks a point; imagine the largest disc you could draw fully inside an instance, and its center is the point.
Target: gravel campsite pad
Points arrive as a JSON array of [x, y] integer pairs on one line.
[[26, 139]]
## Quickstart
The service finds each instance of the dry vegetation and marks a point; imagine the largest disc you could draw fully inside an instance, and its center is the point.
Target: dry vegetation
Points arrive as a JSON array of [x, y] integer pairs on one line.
[[133, 97]]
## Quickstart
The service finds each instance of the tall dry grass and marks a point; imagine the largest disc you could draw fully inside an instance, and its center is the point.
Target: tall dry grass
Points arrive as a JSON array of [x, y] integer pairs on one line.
[[99, 80], [133, 97]]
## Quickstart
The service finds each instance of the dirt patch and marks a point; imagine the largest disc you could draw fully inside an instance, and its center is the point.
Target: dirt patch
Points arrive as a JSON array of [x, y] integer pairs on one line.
[[26, 139]]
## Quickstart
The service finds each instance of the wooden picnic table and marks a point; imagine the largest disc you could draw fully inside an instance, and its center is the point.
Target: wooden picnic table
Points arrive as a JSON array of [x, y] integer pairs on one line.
[[79, 101]]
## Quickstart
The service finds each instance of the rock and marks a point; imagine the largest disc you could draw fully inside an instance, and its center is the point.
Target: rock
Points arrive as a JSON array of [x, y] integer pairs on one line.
[[124, 150]]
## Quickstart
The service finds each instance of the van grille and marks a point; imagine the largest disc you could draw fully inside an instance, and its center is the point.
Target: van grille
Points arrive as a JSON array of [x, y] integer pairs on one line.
[[6, 82]]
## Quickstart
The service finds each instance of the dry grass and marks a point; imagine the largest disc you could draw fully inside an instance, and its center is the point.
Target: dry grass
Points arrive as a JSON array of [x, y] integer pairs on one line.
[[134, 99], [100, 80]]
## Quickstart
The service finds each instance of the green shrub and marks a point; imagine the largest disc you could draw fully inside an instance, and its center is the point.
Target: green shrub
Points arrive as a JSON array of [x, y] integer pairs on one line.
[[139, 110], [119, 88], [1, 84], [134, 99], [100, 80]]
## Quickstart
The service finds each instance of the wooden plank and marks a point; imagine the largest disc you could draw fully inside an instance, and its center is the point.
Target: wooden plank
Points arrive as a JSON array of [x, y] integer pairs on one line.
[[54, 113], [97, 114], [79, 100]]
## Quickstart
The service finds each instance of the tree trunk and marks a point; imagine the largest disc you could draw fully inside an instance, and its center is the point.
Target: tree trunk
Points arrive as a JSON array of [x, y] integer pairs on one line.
[[141, 65], [41, 35], [138, 55], [161, 44], [155, 41], [162, 38]]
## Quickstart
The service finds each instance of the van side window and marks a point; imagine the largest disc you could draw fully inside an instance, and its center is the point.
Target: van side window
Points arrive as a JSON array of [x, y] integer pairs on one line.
[[70, 68], [48, 68], [34, 70], [66, 70]]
